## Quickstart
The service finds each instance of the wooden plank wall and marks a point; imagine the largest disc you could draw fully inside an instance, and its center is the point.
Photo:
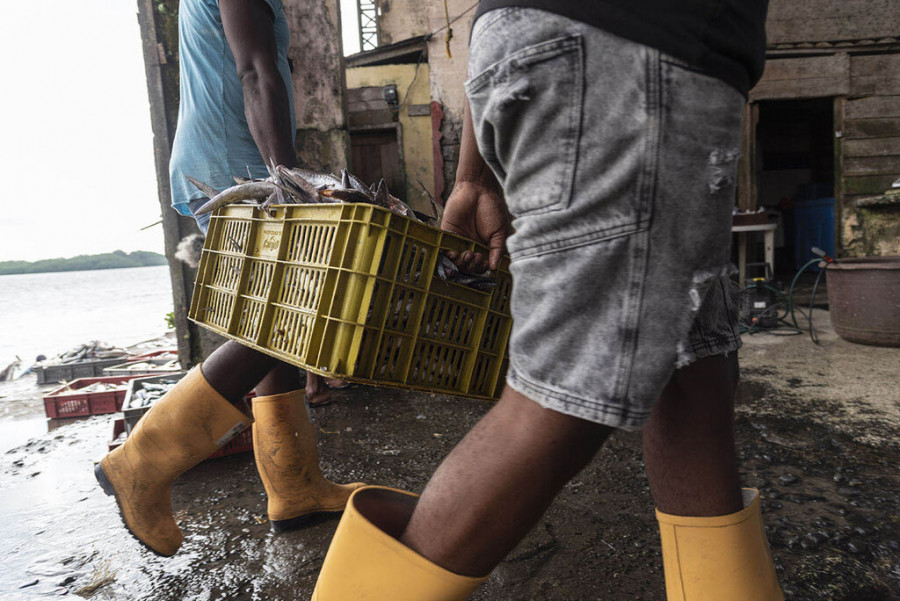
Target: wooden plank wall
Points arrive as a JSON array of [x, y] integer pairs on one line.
[[867, 118], [808, 77], [869, 146], [792, 21]]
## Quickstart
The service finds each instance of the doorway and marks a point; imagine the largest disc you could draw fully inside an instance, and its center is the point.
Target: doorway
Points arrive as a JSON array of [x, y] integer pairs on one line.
[[795, 159], [376, 155]]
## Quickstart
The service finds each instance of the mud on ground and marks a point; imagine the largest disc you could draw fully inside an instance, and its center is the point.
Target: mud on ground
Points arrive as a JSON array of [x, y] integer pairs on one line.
[[816, 432]]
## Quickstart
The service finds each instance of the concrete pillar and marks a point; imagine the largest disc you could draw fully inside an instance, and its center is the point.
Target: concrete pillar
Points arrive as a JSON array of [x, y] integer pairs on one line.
[[323, 142]]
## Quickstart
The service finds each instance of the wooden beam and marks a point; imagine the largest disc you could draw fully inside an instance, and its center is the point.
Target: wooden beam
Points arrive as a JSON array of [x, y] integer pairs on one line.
[[840, 110], [790, 21], [872, 107], [747, 176], [871, 128], [361, 106], [794, 78], [868, 184], [365, 94], [875, 75], [872, 147], [871, 165], [163, 97], [385, 118]]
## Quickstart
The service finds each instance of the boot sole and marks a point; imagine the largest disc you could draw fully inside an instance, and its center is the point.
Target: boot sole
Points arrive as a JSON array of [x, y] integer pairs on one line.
[[110, 491], [303, 521]]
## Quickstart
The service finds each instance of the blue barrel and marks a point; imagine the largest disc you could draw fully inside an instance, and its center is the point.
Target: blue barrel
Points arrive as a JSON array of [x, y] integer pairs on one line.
[[813, 226]]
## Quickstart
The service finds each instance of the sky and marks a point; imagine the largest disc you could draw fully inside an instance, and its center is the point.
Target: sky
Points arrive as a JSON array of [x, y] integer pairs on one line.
[[77, 147]]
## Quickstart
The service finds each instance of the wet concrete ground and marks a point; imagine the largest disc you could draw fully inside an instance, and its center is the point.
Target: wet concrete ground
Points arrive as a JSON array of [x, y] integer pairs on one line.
[[816, 429]]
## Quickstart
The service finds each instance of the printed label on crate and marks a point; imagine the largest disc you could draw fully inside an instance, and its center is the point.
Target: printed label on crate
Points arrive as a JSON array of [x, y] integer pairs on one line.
[[268, 240]]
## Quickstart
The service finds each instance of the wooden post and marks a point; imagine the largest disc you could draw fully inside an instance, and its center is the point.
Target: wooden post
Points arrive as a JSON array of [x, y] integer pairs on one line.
[[158, 22], [839, 103], [747, 180]]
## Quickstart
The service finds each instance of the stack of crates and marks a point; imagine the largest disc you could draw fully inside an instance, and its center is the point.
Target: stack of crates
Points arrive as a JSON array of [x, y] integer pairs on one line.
[[48, 374], [349, 291], [65, 402]]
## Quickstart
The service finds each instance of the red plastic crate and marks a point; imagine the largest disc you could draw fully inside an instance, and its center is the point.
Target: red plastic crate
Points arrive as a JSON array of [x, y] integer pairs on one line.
[[118, 428], [57, 404], [242, 443]]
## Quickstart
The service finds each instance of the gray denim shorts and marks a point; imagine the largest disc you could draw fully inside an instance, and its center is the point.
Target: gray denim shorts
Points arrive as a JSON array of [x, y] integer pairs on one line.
[[619, 167]]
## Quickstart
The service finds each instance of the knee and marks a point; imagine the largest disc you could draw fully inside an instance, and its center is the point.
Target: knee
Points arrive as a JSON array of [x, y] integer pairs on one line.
[[558, 437]]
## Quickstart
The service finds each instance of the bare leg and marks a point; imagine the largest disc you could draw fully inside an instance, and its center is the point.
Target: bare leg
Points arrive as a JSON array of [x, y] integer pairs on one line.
[[689, 441], [234, 370], [283, 378], [498, 481], [317, 393]]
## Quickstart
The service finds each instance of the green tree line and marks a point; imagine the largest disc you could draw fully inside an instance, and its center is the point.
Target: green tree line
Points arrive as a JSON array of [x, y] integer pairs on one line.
[[114, 260]]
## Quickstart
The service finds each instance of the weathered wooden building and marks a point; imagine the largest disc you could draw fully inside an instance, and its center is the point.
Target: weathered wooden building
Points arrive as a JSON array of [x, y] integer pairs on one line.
[[824, 122], [827, 114]]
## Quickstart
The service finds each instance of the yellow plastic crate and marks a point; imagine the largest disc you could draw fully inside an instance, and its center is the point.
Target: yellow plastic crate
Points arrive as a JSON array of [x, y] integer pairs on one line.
[[348, 291]]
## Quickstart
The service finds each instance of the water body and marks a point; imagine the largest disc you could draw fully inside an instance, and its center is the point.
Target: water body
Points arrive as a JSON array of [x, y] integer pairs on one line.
[[49, 313]]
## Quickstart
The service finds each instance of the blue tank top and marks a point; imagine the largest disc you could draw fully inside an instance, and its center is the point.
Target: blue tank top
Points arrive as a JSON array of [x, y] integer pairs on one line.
[[212, 140]]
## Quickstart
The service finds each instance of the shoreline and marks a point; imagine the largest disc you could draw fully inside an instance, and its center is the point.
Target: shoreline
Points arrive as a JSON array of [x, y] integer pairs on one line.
[[81, 270], [26, 392]]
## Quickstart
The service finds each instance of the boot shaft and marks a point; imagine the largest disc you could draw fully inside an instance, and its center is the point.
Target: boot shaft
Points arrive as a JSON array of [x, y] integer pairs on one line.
[[721, 557], [367, 562]]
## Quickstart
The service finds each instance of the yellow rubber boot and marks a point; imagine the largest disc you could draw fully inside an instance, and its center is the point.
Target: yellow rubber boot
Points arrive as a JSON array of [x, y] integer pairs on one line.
[[367, 562], [718, 558], [183, 428], [284, 443]]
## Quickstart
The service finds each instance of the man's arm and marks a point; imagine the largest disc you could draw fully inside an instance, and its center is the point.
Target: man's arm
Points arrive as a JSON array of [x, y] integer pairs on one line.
[[249, 29], [475, 208]]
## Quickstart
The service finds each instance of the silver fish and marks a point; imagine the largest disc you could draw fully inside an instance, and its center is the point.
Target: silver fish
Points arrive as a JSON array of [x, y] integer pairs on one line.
[[318, 180], [272, 199], [306, 191], [258, 190], [436, 211], [357, 184], [383, 198], [280, 197], [205, 188], [345, 195]]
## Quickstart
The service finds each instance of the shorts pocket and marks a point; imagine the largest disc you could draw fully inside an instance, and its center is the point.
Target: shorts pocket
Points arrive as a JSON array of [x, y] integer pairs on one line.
[[527, 112]]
